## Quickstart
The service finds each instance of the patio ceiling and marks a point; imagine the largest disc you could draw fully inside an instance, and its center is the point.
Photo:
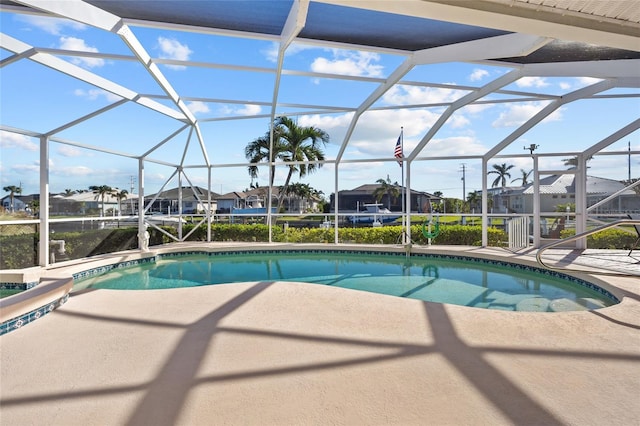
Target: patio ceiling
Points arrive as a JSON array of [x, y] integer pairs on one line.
[[532, 38]]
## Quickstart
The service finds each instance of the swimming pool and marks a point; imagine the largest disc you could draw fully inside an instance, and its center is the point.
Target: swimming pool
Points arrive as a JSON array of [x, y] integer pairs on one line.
[[436, 278]]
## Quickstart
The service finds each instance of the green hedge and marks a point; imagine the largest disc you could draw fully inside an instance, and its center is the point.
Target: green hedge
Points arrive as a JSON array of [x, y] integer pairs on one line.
[[20, 251], [449, 234], [607, 239], [228, 232]]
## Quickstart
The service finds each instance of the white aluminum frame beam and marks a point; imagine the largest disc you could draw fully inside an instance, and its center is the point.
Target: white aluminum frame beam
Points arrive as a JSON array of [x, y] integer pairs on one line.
[[462, 102], [295, 22], [43, 248], [582, 93], [13, 45], [614, 137], [86, 117]]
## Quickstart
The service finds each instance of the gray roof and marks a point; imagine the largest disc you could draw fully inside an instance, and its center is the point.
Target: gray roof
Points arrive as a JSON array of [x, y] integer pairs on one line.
[[187, 194], [565, 184], [368, 189], [254, 192]]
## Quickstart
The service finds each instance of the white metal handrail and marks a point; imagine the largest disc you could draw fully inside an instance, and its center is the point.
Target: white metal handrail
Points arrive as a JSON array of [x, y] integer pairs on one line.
[[579, 236]]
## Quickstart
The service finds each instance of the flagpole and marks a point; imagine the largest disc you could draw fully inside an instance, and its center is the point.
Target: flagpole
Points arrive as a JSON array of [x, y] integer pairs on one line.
[[402, 186]]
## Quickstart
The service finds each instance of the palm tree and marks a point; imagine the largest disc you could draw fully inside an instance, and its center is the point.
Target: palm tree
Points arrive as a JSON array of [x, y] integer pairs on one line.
[[524, 178], [386, 188], [473, 198], [572, 162], [101, 191], [12, 190], [68, 192], [290, 143], [35, 207], [120, 195], [502, 170], [298, 190], [257, 151], [627, 182]]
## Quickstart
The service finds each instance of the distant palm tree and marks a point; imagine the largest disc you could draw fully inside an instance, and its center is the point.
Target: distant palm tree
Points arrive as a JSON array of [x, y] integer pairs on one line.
[[386, 188], [524, 178], [120, 195], [502, 170], [301, 191], [101, 191], [290, 143], [68, 192], [572, 162], [35, 206], [632, 181], [12, 190], [474, 199]]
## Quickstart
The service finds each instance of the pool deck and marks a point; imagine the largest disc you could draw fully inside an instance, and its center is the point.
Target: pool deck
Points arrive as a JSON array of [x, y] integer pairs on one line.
[[276, 353]]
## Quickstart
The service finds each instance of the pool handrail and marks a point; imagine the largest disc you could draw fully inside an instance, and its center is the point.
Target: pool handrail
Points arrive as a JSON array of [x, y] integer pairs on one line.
[[579, 236]]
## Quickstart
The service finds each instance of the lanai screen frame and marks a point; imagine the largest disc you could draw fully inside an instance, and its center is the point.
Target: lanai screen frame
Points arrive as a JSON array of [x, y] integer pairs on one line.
[[616, 73]]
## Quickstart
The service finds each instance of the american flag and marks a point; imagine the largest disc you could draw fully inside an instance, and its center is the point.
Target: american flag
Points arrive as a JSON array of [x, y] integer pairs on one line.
[[398, 151]]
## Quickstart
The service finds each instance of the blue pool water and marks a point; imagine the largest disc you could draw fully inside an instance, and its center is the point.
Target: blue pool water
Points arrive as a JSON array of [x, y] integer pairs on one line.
[[440, 279]]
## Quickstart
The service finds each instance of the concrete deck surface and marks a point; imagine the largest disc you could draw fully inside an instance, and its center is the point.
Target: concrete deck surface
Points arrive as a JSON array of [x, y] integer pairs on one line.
[[275, 353]]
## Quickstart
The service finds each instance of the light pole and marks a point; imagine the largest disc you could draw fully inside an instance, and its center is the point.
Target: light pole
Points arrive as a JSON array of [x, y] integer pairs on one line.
[[464, 191]]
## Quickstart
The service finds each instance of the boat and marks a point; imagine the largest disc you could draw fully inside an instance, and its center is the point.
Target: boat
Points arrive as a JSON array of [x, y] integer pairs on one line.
[[374, 214]]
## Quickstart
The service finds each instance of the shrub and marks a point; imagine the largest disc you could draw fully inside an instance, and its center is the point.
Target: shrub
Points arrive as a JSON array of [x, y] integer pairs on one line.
[[21, 251], [18, 251], [607, 239]]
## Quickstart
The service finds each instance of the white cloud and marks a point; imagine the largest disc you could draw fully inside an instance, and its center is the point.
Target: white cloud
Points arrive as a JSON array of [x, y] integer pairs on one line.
[[412, 95], [271, 52], [26, 168], [377, 131], [516, 115], [374, 128], [155, 177], [73, 171], [326, 122], [578, 82], [69, 151], [478, 74], [173, 49], [454, 146], [93, 94], [15, 140], [476, 108], [354, 174], [248, 109], [347, 62], [53, 26], [34, 167], [458, 121], [197, 107], [587, 81], [532, 82], [78, 44]]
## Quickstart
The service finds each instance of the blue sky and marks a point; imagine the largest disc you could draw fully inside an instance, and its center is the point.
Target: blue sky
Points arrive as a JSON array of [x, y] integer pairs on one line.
[[36, 98]]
